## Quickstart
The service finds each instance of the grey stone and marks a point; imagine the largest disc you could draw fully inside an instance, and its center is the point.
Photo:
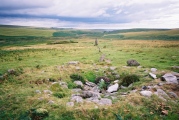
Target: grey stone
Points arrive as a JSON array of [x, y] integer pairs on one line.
[[11, 71], [116, 81], [70, 104], [41, 98], [76, 90], [130, 85], [132, 63], [48, 92], [153, 75], [117, 76], [38, 91], [175, 74], [112, 68], [90, 84], [78, 83], [113, 88], [161, 93], [78, 68], [73, 62], [139, 67], [146, 93], [123, 87], [88, 94], [170, 78], [51, 102], [153, 69], [172, 95], [144, 87], [63, 84], [77, 99], [105, 101]]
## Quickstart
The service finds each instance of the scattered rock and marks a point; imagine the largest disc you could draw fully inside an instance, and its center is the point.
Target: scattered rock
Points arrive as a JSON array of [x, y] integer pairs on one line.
[[112, 68], [161, 93], [48, 92], [160, 84], [90, 84], [144, 87], [107, 80], [73, 62], [88, 94], [139, 67], [41, 98], [51, 102], [102, 58], [132, 63], [123, 87], [77, 99], [153, 75], [76, 90], [78, 68], [172, 95], [38, 91], [146, 93], [175, 74], [164, 112], [11, 71], [63, 84], [117, 76], [105, 101], [113, 88], [78, 83], [153, 69], [116, 81], [70, 104], [170, 78]]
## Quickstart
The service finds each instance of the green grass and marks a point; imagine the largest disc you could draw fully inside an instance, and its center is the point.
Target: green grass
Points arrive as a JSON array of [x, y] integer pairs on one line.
[[38, 64]]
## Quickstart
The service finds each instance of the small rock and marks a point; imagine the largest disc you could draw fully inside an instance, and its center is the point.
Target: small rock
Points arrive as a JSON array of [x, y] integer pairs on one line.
[[117, 76], [41, 98], [139, 67], [160, 84], [123, 87], [38, 91], [76, 90], [133, 91], [132, 63], [51, 102], [172, 95], [170, 78], [77, 99], [73, 62], [78, 68], [144, 87], [105, 101], [164, 112], [113, 88], [130, 85], [112, 68], [153, 75], [70, 104], [48, 92], [11, 71], [116, 81], [90, 84], [161, 93], [153, 69], [78, 83], [88, 94], [175, 74], [146, 93]]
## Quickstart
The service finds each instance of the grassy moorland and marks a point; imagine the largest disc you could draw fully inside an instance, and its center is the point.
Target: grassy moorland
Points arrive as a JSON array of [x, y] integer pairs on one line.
[[40, 56]]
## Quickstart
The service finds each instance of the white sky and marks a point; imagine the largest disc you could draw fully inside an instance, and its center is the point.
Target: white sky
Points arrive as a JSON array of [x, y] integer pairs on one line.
[[91, 14]]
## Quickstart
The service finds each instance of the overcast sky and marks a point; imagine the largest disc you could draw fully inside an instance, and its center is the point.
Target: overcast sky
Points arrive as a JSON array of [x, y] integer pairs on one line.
[[91, 14]]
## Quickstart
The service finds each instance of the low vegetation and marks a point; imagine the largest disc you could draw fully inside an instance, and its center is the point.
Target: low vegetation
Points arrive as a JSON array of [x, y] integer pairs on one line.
[[35, 62]]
